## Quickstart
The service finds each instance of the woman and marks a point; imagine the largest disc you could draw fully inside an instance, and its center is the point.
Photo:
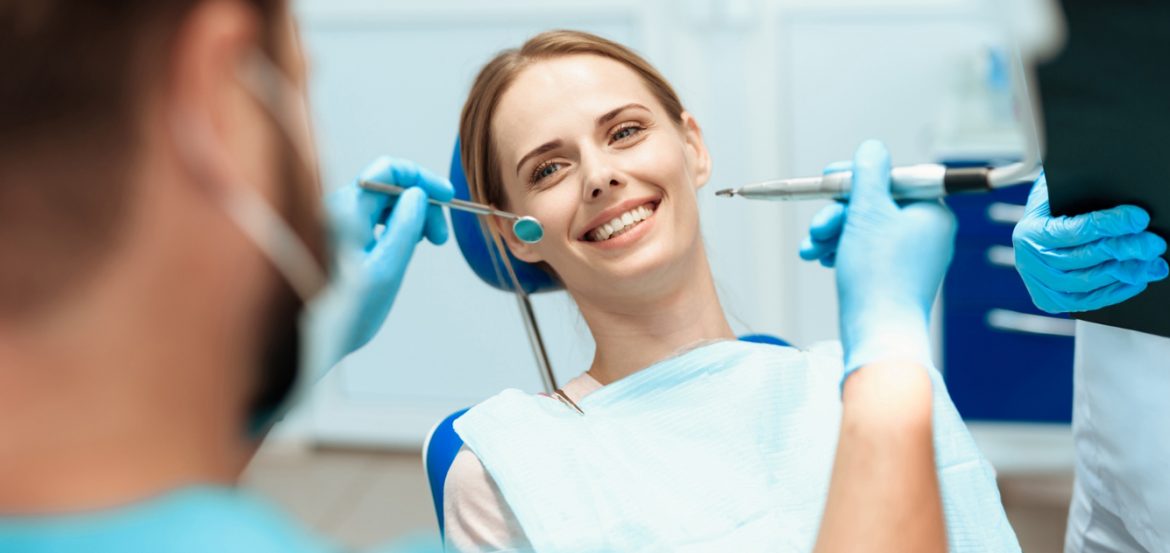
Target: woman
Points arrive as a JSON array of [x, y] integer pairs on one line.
[[677, 437]]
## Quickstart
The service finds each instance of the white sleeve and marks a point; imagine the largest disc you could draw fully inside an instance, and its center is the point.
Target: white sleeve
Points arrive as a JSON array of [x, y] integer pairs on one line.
[[476, 517]]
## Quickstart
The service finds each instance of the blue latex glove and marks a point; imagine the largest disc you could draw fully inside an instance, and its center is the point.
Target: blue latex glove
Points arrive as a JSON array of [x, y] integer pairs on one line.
[[374, 235], [825, 229], [1086, 261], [890, 260]]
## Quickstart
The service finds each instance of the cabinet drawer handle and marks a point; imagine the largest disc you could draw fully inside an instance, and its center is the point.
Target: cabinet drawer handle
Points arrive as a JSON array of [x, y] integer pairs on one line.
[[1003, 256], [1005, 213], [1026, 323]]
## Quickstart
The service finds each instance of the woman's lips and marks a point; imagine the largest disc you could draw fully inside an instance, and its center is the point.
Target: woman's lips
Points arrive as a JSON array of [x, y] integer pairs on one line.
[[621, 223], [629, 236], [607, 216]]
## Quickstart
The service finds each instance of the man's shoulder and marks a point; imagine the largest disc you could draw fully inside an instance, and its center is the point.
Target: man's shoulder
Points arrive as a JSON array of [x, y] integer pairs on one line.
[[189, 520]]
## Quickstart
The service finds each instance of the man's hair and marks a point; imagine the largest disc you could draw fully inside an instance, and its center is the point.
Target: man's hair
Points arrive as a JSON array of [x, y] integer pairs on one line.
[[72, 75]]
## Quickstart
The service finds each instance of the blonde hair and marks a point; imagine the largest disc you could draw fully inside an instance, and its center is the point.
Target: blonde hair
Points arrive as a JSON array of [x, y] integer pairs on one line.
[[478, 153]]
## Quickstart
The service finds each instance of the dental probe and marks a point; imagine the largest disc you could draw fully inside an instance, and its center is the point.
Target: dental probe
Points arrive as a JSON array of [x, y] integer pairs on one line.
[[912, 182], [527, 228]]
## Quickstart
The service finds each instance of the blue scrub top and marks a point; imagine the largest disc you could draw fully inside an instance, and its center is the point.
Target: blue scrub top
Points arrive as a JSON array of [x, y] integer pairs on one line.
[[191, 520]]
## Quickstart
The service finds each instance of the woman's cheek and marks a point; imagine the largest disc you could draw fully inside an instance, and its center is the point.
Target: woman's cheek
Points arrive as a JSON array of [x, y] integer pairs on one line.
[[555, 209], [649, 152], [663, 163]]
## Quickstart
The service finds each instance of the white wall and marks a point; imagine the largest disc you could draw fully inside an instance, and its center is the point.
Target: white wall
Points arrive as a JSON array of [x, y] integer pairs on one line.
[[780, 88]]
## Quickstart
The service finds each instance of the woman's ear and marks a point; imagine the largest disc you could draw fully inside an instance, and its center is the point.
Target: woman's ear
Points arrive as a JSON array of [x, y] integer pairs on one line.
[[698, 157], [520, 249]]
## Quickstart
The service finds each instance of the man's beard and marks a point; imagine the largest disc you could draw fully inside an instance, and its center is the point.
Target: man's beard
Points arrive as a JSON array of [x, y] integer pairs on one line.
[[279, 360], [278, 366]]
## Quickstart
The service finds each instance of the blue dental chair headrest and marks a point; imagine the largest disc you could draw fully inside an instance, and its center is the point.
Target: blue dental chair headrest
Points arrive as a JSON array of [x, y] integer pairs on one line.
[[481, 256]]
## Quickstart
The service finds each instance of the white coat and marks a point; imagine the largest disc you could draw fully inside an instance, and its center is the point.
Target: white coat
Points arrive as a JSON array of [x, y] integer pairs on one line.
[[1121, 426]]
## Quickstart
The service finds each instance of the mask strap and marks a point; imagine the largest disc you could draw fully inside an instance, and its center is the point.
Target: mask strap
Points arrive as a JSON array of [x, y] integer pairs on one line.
[[279, 243], [254, 216], [268, 85]]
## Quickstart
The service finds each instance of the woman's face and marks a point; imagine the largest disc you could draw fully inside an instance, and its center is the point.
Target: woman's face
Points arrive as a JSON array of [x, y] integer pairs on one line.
[[585, 147]]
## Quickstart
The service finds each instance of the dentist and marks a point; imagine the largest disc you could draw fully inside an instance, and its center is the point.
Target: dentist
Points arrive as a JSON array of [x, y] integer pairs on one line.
[[1121, 378], [169, 279]]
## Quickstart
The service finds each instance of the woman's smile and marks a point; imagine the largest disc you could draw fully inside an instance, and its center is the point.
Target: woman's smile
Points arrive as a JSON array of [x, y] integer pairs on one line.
[[619, 219], [628, 228]]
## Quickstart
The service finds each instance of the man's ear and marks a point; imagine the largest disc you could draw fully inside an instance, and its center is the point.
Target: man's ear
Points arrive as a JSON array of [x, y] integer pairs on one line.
[[698, 157], [520, 249], [216, 125]]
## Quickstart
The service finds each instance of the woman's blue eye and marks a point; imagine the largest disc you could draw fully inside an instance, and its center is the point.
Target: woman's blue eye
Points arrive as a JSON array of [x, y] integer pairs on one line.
[[625, 132], [545, 171]]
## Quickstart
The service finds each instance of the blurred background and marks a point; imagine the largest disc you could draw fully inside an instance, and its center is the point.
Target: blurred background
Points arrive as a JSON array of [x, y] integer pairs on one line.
[[780, 88]]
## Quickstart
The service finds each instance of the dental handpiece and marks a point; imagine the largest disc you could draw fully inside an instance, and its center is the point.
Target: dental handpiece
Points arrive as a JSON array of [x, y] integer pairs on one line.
[[527, 228], [912, 182]]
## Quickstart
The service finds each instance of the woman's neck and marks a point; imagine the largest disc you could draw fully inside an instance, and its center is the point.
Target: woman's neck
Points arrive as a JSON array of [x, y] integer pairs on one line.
[[644, 332]]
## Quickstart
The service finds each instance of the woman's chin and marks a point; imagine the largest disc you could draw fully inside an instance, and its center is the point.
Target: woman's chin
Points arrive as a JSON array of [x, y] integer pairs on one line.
[[651, 265], [649, 254]]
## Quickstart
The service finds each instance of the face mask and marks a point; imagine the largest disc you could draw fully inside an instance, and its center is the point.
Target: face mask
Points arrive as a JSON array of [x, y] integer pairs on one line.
[[295, 348]]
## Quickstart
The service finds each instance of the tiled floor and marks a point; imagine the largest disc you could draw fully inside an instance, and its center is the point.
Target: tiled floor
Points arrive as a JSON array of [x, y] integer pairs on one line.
[[362, 499]]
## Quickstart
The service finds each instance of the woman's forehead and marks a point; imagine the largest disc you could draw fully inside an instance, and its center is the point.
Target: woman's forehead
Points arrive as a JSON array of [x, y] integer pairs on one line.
[[565, 94]]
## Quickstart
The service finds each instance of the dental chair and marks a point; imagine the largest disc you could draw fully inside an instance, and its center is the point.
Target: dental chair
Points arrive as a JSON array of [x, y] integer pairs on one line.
[[442, 443]]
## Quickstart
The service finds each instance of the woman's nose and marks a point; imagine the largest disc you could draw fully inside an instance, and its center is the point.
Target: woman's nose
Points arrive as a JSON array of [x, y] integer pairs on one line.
[[598, 189], [602, 178]]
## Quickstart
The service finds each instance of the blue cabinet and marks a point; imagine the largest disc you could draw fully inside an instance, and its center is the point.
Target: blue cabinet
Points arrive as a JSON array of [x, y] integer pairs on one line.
[[1003, 359]]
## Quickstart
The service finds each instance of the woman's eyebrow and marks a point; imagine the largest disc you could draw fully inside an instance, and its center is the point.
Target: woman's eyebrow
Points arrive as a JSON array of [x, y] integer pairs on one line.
[[609, 115], [543, 148], [552, 145]]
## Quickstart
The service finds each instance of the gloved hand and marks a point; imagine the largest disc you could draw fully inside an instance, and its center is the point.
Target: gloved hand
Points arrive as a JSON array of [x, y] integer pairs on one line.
[[1086, 261], [890, 262], [374, 235], [825, 229]]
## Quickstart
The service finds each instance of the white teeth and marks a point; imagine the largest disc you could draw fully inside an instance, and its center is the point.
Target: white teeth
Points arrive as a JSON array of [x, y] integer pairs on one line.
[[620, 223]]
